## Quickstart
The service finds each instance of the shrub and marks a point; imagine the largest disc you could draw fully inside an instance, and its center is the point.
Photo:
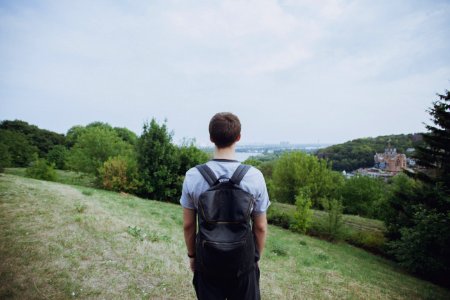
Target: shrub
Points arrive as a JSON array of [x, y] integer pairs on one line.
[[297, 169], [157, 163], [331, 226], [280, 218], [374, 242], [363, 195], [93, 147], [303, 213], [58, 155], [119, 174], [41, 169]]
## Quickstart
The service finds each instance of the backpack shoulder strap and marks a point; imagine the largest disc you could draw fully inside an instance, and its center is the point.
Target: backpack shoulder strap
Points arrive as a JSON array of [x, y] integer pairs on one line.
[[207, 173], [239, 173]]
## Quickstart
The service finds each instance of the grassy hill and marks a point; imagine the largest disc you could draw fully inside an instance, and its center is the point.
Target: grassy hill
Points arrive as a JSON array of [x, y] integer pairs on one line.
[[60, 241], [359, 153]]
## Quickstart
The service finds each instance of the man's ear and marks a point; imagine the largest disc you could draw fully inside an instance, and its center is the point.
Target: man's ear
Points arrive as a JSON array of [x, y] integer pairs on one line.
[[238, 138]]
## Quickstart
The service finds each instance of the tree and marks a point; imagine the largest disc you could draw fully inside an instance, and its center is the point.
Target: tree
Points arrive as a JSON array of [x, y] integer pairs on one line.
[[127, 135], [189, 156], [435, 155], [58, 156], [157, 163], [119, 174], [297, 171], [94, 146], [418, 212], [17, 150], [363, 195], [41, 169], [72, 135], [43, 139]]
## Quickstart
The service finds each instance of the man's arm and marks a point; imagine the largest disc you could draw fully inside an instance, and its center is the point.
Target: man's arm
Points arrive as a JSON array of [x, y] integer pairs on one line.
[[189, 228], [260, 231]]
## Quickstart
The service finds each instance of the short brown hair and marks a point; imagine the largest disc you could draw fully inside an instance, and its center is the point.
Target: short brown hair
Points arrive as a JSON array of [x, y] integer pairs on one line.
[[224, 129]]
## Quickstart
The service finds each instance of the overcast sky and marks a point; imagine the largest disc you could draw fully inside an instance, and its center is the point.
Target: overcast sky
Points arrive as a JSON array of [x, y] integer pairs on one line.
[[299, 71]]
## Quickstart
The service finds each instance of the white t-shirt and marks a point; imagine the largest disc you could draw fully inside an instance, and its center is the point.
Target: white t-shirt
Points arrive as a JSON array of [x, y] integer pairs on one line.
[[253, 182]]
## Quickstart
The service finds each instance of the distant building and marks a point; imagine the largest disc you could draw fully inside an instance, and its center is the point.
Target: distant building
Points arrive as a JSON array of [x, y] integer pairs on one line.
[[390, 160]]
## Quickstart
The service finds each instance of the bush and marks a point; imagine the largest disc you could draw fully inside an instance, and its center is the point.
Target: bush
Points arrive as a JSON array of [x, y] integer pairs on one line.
[[16, 150], [58, 155], [362, 195], [331, 226], [280, 218], [294, 170], [303, 213], [374, 242], [94, 146], [119, 174], [41, 169], [158, 163]]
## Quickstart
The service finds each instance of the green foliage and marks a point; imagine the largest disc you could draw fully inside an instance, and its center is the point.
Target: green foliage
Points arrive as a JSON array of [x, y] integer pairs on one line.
[[418, 211], [58, 156], [138, 233], [157, 163], [435, 154], [73, 134], [332, 224], [127, 135], [295, 172], [119, 174], [87, 192], [359, 153], [358, 231], [5, 157], [423, 247], [363, 195], [266, 166], [17, 150], [42, 139], [303, 213], [41, 169], [398, 210], [278, 248], [80, 207], [189, 156], [281, 218], [94, 146]]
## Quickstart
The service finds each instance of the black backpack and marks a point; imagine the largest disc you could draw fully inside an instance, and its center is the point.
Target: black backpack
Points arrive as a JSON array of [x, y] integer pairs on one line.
[[225, 244]]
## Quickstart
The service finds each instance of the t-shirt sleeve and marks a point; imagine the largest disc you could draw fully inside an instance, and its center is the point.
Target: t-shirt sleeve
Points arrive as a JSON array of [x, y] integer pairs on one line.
[[262, 196], [186, 197]]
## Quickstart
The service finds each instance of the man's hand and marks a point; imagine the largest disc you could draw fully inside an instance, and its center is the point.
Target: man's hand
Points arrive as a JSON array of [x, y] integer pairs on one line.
[[192, 264]]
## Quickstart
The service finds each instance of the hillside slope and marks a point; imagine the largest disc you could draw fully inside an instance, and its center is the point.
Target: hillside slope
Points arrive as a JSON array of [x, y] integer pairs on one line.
[[59, 241], [359, 153]]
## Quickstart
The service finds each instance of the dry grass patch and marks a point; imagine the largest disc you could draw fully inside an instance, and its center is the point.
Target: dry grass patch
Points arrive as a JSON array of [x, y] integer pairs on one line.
[[59, 242]]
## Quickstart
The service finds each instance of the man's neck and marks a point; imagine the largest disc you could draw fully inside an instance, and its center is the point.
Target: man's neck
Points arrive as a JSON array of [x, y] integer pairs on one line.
[[225, 153]]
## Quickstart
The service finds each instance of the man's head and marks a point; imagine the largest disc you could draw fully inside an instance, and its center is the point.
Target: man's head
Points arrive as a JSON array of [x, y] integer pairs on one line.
[[224, 129]]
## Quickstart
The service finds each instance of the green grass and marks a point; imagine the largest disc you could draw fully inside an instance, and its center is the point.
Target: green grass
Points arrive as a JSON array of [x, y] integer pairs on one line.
[[59, 241], [361, 232], [62, 176], [350, 221]]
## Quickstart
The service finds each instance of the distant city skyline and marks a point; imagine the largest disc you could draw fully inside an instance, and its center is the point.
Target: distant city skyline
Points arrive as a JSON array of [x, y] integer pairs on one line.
[[299, 71]]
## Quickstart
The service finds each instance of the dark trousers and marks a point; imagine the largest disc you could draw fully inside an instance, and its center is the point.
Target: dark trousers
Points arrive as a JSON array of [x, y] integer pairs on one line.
[[243, 287]]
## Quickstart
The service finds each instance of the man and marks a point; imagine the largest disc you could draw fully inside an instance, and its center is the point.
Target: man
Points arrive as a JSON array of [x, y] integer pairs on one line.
[[225, 132]]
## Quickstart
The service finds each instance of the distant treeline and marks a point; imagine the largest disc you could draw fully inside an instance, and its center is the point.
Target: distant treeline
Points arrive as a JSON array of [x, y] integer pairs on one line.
[[359, 153], [149, 165]]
